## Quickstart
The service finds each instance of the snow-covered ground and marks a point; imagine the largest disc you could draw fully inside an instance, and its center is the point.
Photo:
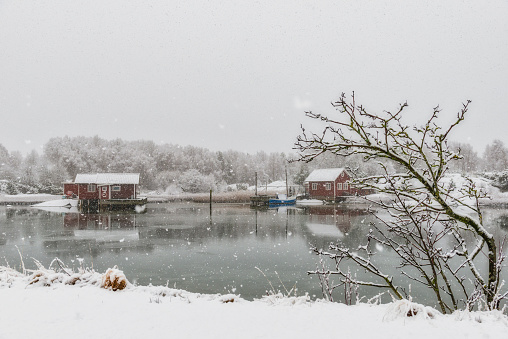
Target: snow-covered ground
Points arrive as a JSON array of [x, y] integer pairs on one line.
[[46, 304], [58, 203], [49, 304], [309, 202], [27, 198], [494, 196]]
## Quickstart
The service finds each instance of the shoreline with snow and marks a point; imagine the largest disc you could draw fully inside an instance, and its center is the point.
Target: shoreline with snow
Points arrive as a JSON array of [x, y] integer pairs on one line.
[[496, 198], [26, 199], [47, 303], [41, 200]]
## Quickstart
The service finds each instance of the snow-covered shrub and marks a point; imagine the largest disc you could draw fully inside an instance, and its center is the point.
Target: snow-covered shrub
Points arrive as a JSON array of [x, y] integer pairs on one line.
[[228, 298], [290, 296], [166, 179], [237, 187], [44, 277], [48, 188], [9, 187], [114, 279], [192, 181], [8, 275], [47, 277], [494, 316], [3, 186], [405, 309], [281, 299]]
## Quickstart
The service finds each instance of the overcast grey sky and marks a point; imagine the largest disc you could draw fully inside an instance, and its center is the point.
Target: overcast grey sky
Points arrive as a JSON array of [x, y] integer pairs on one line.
[[239, 75]]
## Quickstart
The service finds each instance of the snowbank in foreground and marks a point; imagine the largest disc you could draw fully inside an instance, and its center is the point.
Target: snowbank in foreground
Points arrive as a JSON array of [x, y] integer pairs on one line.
[[48, 304]]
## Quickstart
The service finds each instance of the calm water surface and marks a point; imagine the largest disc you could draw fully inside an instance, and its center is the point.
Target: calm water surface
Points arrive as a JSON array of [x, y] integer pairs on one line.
[[184, 246]]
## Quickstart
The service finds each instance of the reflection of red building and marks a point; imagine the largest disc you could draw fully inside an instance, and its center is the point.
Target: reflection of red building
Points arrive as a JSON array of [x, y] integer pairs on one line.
[[330, 215], [99, 221], [330, 184]]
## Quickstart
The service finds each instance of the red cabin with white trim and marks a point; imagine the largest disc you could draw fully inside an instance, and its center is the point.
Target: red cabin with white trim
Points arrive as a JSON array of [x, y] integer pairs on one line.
[[330, 184], [103, 186]]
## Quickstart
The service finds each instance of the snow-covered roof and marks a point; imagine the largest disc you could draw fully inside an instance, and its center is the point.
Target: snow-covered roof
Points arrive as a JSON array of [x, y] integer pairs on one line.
[[325, 174], [107, 178]]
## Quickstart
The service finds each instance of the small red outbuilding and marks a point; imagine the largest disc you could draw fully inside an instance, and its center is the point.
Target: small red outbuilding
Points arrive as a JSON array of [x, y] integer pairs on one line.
[[103, 186], [330, 184]]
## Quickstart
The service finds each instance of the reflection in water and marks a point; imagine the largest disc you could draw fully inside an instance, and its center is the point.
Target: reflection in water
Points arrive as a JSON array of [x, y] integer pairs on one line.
[[99, 221], [332, 217], [95, 234], [182, 244], [332, 223], [502, 221]]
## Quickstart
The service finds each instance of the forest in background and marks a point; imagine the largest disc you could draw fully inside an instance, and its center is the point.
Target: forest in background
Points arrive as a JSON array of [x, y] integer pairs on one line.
[[173, 168]]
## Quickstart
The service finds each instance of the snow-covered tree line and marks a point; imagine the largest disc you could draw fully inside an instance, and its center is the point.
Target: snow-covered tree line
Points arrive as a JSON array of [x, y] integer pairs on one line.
[[162, 167], [188, 168]]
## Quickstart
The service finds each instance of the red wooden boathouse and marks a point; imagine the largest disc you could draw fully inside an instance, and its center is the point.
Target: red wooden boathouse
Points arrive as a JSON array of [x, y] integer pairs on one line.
[[331, 184], [105, 191]]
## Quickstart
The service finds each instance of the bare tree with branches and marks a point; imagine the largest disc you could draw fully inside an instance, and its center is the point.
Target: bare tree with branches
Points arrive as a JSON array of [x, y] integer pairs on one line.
[[426, 211]]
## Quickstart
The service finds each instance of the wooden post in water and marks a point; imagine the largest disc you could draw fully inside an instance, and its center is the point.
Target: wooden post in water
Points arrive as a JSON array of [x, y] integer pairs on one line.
[[287, 188], [256, 184], [210, 203], [256, 221], [287, 222]]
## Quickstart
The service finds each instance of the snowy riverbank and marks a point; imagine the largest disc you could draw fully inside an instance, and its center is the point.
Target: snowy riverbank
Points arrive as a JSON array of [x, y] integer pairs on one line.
[[44, 304], [26, 199], [496, 198]]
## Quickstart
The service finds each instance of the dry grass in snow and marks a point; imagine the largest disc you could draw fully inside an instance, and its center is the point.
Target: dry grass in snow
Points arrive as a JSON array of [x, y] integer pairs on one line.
[[114, 279]]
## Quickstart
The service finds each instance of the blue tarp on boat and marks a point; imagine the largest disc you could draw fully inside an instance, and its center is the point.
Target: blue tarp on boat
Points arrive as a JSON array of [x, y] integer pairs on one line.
[[282, 199]]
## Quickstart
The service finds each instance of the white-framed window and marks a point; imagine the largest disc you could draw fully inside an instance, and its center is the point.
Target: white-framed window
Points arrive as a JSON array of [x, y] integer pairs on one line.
[[339, 186], [116, 188], [92, 187], [345, 186], [314, 186], [328, 186]]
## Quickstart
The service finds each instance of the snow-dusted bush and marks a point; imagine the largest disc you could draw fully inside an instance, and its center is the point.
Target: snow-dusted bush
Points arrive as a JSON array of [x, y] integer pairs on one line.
[[405, 308], [47, 277], [287, 300], [166, 179], [237, 187], [8, 275], [228, 298], [114, 279], [192, 181]]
